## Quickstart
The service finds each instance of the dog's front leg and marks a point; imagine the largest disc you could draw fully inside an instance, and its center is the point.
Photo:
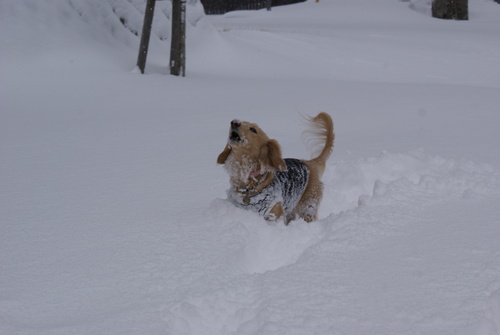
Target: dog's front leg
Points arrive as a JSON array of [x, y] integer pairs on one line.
[[275, 213]]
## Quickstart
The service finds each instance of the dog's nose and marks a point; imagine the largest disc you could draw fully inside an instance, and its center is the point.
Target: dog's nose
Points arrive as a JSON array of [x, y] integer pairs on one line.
[[235, 123]]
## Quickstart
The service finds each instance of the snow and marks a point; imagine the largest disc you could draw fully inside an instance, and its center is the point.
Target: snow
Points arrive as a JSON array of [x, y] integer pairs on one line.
[[113, 212]]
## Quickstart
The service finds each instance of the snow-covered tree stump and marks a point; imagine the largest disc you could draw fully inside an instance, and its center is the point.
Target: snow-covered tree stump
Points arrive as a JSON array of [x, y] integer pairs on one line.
[[451, 9]]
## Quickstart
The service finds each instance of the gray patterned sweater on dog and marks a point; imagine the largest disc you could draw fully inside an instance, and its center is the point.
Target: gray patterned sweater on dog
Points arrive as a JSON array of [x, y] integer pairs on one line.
[[287, 187]]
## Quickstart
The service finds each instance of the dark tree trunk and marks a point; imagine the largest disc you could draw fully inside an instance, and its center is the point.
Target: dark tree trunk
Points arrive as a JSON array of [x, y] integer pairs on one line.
[[146, 33], [178, 46], [451, 9]]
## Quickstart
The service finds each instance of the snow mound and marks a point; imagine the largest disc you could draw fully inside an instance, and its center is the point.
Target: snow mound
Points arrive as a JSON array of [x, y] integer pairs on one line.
[[395, 176], [262, 246], [61, 23]]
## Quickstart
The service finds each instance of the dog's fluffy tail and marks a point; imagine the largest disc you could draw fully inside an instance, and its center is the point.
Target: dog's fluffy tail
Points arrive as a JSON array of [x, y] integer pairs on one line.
[[321, 136]]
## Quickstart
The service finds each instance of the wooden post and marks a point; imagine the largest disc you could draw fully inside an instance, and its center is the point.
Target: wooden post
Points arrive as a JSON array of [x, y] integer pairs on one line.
[[269, 4], [178, 45], [146, 33]]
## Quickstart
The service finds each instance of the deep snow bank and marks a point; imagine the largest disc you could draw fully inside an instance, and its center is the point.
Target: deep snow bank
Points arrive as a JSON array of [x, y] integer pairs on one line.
[[301, 274]]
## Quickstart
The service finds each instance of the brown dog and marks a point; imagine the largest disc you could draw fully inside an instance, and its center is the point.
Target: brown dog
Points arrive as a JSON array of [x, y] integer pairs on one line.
[[262, 181]]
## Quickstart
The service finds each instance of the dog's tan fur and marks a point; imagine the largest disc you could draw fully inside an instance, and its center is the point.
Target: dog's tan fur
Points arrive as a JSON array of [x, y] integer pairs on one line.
[[253, 162]]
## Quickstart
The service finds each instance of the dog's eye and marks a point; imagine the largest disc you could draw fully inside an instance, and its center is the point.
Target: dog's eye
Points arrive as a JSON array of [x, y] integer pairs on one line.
[[253, 130]]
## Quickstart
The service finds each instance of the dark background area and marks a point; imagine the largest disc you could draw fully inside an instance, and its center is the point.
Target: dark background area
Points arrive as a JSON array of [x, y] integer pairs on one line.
[[224, 6]]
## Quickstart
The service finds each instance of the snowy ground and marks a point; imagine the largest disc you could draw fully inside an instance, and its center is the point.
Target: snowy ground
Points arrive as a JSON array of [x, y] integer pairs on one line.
[[112, 209]]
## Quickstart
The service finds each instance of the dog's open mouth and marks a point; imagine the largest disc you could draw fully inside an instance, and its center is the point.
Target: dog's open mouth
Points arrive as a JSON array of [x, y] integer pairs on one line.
[[234, 137]]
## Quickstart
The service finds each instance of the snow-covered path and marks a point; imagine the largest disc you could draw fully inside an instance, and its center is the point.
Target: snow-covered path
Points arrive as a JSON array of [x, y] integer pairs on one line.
[[112, 210]]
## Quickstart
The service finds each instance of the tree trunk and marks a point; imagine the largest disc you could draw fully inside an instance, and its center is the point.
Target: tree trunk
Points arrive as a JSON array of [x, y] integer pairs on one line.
[[178, 45], [146, 33], [451, 9]]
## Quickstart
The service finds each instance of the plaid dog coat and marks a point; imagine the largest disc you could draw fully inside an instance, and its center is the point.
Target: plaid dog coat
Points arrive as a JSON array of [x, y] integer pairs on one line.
[[287, 187]]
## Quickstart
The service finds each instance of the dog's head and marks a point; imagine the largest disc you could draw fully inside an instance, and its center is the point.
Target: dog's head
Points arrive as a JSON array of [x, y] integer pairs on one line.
[[248, 144]]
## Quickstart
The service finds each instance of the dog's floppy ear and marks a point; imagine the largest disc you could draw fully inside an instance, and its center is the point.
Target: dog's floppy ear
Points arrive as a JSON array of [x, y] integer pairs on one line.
[[271, 155], [223, 155]]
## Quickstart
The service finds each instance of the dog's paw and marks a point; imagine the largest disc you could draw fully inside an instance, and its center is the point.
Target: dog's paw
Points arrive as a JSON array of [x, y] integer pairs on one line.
[[271, 217]]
